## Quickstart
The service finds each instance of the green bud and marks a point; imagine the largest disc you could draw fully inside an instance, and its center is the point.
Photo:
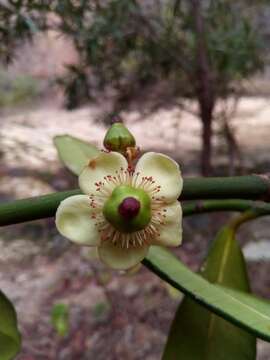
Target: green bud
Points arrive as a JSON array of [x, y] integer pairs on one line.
[[118, 138], [128, 209]]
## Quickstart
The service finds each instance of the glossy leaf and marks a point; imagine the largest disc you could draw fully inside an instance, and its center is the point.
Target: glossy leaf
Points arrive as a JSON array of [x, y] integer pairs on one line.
[[10, 340], [254, 316], [197, 333], [74, 153], [262, 306]]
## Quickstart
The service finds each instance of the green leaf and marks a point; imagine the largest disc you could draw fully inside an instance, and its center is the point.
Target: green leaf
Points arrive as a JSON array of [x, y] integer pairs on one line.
[[248, 301], [253, 316], [74, 153], [10, 339], [60, 319], [196, 333]]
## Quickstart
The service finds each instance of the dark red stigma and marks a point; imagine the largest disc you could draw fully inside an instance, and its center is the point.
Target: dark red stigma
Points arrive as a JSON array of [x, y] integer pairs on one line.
[[129, 208]]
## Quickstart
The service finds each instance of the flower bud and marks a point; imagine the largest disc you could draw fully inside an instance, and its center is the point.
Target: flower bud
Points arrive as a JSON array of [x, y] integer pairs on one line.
[[118, 138], [128, 209]]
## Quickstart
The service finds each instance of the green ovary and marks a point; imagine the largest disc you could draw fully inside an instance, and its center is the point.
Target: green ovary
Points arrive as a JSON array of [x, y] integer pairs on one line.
[[122, 223]]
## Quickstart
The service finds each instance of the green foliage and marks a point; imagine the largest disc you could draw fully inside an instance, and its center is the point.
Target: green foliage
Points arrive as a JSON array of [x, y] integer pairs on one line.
[[197, 333], [126, 44], [104, 36], [74, 153], [233, 44], [60, 319], [245, 311], [19, 20], [17, 90], [10, 340]]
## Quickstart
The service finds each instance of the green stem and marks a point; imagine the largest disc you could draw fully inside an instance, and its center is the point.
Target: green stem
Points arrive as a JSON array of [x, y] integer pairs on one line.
[[251, 209], [237, 187], [34, 208], [240, 187], [250, 214], [208, 206], [45, 206]]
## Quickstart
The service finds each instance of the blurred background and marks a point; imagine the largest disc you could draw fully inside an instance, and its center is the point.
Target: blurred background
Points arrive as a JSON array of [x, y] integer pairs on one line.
[[189, 78]]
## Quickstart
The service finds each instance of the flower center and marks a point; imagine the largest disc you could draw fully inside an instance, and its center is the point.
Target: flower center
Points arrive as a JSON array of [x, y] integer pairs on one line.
[[129, 208]]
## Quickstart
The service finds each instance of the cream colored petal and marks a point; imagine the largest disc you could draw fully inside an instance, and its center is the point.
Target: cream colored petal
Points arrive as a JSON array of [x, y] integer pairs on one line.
[[171, 230], [134, 269], [103, 165], [119, 258], [164, 171], [73, 220]]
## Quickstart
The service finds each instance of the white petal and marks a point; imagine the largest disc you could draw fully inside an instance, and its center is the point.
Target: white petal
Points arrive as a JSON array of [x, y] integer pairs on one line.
[[103, 165], [73, 220], [171, 231], [119, 258], [164, 171]]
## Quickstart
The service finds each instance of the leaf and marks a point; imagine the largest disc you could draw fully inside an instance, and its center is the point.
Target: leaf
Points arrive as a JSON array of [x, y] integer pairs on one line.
[[249, 301], [196, 333], [60, 319], [10, 339], [74, 153], [253, 316]]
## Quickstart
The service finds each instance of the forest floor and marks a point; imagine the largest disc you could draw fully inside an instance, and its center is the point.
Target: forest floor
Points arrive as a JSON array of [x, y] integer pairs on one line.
[[111, 316]]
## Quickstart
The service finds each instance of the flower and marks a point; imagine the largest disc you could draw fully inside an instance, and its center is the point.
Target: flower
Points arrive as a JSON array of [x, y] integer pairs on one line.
[[124, 210]]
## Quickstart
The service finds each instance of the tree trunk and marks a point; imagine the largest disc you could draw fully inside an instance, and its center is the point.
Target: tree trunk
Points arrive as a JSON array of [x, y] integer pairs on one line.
[[207, 132], [204, 87]]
